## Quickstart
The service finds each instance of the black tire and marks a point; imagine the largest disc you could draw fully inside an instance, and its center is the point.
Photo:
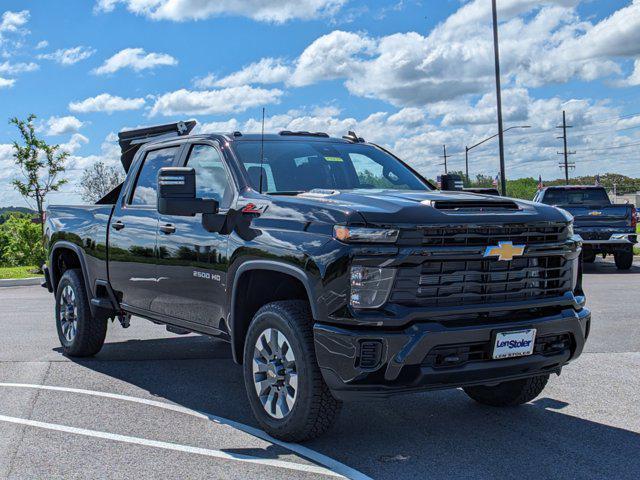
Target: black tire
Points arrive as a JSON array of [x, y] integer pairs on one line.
[[623, 259], [508, 394], [588, 256], [314, 409], [90, 332]]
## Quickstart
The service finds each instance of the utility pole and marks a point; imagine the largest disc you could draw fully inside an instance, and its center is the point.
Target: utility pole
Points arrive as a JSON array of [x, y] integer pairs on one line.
[[466, 163], [566, 165], [503, 181], [445, 156]]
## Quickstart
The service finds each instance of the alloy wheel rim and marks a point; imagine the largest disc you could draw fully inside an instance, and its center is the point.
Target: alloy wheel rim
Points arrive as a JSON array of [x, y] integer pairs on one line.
[[275, 375], [68, 313]]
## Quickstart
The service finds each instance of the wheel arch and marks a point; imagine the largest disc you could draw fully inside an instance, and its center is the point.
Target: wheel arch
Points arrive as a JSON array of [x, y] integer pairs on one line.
[[74, 255], [240, 315]]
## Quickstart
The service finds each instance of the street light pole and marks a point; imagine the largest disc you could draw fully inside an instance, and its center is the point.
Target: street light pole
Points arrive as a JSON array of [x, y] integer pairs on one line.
[[503, 181], [466, 149]]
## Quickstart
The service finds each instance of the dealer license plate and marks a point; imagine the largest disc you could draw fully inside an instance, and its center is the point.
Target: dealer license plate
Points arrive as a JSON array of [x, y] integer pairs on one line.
[[514, 344]]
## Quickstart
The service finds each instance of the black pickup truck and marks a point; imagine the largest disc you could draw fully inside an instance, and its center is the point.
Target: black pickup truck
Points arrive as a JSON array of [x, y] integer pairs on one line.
[[334, 269], [605, 228]]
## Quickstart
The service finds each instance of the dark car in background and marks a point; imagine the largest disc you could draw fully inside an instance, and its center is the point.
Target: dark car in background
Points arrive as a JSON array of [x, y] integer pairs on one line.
[[606, 228]]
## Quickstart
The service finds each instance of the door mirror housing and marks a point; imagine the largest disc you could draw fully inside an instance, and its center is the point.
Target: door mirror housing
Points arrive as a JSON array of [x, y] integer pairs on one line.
[[177, 193]]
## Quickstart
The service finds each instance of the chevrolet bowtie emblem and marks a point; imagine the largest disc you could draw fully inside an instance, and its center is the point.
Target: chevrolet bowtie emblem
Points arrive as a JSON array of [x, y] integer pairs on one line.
[[504, 251], [595, 213]]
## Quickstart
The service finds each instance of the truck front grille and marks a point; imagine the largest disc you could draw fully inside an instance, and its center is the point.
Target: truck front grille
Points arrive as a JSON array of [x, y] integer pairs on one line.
[[472, 235], [448, 283]]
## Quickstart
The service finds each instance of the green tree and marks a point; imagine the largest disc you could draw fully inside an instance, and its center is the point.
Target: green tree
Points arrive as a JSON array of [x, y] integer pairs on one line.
[[41, 165], [98, 180], [524, 188], [20, 242]]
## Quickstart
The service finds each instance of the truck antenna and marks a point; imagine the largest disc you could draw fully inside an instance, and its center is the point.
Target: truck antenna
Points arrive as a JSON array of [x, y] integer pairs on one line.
[[262, 150]]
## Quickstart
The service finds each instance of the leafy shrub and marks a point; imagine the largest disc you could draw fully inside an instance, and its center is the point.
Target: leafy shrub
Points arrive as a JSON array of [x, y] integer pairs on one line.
[[21, 242]]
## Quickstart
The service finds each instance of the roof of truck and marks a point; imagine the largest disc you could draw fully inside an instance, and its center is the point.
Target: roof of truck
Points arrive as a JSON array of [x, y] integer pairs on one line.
[[131, 140]]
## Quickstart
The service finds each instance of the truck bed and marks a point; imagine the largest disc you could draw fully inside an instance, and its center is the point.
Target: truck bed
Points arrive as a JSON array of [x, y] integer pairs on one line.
[[85, 226]]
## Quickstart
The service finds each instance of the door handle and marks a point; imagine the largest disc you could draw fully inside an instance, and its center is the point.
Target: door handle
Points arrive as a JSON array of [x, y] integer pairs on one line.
[[168, 228], [117, 225]]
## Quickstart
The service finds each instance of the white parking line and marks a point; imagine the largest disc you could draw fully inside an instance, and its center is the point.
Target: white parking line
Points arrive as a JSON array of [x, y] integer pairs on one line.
[[170, 446], [319, 458]]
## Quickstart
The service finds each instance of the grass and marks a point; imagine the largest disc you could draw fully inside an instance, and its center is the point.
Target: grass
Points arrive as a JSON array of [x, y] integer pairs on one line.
[[19, 272]]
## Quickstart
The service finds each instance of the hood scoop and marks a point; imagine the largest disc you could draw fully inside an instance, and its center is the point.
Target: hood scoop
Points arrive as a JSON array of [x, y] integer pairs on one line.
[[464, 206]]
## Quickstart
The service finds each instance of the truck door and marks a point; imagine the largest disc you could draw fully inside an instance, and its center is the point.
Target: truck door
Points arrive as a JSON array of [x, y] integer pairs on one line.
[[193, 261], [133, 232]]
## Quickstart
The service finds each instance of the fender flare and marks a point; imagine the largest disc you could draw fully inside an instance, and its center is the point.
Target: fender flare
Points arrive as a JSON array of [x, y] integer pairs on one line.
[[272, 265], [63, 244]]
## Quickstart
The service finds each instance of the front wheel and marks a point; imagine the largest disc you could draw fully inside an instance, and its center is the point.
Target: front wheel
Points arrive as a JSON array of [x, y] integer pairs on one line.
[[81, 334], [623, 259], [286, 390], [508, 394]]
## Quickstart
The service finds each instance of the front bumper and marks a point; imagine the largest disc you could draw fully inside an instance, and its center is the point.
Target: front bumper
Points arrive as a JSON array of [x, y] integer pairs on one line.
[[403, 359]]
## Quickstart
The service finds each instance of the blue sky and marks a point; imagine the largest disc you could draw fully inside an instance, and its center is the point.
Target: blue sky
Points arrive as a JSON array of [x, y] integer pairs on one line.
[[412, 75]]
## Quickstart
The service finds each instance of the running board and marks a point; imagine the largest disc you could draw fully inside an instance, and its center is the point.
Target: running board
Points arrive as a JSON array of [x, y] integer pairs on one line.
[[177, 330]]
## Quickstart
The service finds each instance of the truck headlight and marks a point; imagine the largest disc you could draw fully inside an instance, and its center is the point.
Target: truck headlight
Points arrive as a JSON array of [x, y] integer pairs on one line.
[[361, 234], [570, 229], [370, 286]]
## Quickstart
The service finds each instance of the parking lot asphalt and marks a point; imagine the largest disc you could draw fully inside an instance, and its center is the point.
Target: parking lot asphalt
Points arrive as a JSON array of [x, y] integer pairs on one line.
[[156, 405]]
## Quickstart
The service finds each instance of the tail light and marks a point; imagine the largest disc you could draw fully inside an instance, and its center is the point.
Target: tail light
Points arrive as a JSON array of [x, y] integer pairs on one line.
[[634, 218]]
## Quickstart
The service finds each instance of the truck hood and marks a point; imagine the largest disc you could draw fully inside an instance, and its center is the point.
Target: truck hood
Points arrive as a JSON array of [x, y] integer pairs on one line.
[[398, 207]]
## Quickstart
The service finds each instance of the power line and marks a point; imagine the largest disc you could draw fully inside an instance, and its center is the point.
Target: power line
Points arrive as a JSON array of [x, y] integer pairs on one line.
[[611, 147]]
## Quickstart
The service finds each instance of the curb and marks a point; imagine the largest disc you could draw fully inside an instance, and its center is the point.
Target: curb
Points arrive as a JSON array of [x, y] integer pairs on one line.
[[20, 282]]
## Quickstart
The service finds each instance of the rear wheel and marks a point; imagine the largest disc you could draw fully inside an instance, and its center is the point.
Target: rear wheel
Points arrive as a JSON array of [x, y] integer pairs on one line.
[[624, 259], [508, 394], [286, 391], [80, 333], [588, 256]]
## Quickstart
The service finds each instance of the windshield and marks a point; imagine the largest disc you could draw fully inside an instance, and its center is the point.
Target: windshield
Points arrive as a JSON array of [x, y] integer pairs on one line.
[[299, 166], [576, 196]]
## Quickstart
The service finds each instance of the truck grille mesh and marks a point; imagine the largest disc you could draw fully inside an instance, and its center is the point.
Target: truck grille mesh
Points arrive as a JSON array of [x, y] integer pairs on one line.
[[472, 235], [448, 283]]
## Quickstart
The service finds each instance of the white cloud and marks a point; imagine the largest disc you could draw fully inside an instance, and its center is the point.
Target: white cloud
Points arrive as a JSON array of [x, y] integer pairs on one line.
[[42, 44], [62, 125], [17, 68], [210, 102], [633, 79], [541, 43], [106, 103], [266, 11], [265, 71], [13, 21], [331, 56], [136, 59], [74, 144], [68, 56], [7, 82]]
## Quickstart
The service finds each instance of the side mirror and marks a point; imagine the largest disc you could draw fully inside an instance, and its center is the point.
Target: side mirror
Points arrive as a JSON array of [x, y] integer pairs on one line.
[[177, 193]]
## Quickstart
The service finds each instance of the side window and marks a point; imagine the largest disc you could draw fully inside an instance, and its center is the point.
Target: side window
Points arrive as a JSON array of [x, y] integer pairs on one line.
[[145, 192], [212, 180]]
